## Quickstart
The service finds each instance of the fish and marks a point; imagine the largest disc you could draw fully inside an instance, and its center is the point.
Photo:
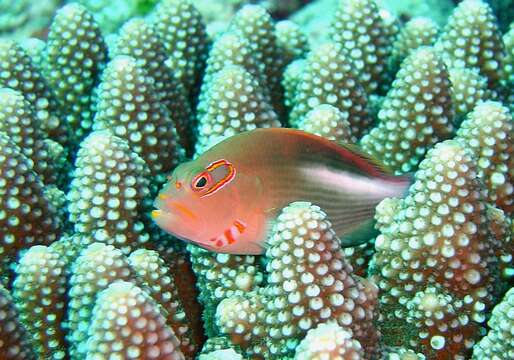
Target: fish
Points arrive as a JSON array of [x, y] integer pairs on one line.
[[228, 198]]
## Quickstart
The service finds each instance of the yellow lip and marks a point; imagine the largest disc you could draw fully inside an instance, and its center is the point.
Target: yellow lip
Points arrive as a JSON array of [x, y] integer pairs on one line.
[[184, 210], [156, 213], [163, 196]]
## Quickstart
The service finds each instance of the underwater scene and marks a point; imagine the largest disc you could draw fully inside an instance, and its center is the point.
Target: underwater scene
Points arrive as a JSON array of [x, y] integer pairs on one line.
[[259, 179]]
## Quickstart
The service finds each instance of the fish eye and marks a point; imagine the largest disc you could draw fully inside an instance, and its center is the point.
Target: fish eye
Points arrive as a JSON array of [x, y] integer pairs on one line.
[[200, 182]]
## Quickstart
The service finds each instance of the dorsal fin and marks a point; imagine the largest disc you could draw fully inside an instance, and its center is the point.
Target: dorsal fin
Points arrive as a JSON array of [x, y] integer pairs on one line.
[[377, 167]]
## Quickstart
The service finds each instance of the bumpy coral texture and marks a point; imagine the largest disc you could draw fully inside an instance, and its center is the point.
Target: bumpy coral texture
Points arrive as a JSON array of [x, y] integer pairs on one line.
[[220, 276], [138, 39], [228, 49], [471, 38], [329, 341], [255, 24], [130, 108], [417, 32], [20, 123], [417, 112], [156, 274], [469, 88], [327, 121], [19, 72], [434, 258], [308, 281], [488, 133], [127, 323], [181, 28], [109, 191], [367, 53], [27, 217], [39, 291], [499, 342], [236, 103], [75, 56], [14, 343], [328, 78]]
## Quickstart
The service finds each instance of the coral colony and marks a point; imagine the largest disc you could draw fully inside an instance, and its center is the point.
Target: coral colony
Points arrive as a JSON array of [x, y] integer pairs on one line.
[[101, 100]]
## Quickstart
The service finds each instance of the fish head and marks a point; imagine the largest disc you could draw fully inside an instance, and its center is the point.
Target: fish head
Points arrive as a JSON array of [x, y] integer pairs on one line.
[[201, 202]]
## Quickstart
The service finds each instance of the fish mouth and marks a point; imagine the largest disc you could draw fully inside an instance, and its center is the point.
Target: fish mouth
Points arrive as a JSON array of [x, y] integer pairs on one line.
[[174, 218], [164, 204]]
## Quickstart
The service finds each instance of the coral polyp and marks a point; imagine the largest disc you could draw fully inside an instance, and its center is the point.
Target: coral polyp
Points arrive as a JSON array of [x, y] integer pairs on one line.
[[104, 103]]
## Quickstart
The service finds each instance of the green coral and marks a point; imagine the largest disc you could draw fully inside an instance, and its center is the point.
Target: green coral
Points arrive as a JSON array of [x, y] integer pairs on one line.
[[308, 283], [156, 275], [140, 332], [181, 28], [220, 276], [139, 40], [471, 38], [327, 121], [487, 132], [27, 216], [417, 32], [129, 107], [22, 73], [75, 56], [416, 113], [434, 259], [235, 103], [15, 342], [364, 35], [109, 192], [499, 342], [328, 78], [39, 291], [20, 123]]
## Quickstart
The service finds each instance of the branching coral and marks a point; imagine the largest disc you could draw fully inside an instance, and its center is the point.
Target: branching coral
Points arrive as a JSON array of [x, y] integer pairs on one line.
[[228, 49], [499, 342], [417, 32], [139, 40], [363, 34], [469, 88], [253, 23], [27, 217], [471, 38], [155, 274], [129, 106], [75, 56], [94, 291], [434, 262], [220, 276], [308, 283], [181, 28], [20, 72], [327, 121], [291, 41], [19, 122], [488, 133], [127, 323], [508, 67], [329, 341], [328, 78], [39, 291], [417, 112], [109, 192], [235, 102], [14, 343]]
